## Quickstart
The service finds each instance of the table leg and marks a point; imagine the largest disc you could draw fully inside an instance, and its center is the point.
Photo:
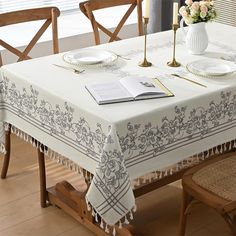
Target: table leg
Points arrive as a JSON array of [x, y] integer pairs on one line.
[[73, 202], [8, 153], [87, 177], [42, 177]]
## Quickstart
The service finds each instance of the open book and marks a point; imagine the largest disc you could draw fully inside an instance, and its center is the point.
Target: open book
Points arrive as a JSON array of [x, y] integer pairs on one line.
[[128, 89]]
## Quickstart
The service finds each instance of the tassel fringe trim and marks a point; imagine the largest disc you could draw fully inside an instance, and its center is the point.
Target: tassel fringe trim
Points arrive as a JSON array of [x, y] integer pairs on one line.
[[186, 163], [49, 153], [148, 178], [111, 228], [153, 176]]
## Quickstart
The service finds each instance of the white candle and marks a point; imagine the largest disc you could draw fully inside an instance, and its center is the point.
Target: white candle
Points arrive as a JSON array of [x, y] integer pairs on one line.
[[175, 12], [147, 8]]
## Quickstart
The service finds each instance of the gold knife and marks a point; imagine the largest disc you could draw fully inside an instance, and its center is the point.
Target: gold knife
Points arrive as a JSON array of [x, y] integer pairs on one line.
[[189, 80]]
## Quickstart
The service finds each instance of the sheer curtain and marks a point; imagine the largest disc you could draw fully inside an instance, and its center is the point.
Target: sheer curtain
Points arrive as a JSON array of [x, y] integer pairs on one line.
[[161, 14], [226, 11], [14, 5]]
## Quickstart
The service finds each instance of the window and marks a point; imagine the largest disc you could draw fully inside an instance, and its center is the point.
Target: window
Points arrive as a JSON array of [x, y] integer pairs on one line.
[[63, 5], [226, 11], [73, 26]]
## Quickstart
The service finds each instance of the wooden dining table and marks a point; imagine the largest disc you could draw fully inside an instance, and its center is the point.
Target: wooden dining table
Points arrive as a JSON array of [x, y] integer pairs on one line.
[[123, 149]]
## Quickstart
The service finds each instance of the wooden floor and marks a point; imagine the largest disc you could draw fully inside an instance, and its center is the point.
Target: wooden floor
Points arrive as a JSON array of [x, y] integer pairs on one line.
[[21, 215]]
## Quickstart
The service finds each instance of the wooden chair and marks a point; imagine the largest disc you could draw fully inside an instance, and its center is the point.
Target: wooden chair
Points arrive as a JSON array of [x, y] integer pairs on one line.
[[88, 7], [49, 14], [214, 184]]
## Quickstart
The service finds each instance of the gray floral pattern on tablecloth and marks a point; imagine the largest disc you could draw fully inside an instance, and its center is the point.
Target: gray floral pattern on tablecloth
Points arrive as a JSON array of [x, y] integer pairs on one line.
[[151, 140], [53, 119], [112, 182], [139, 139], [112, 169]]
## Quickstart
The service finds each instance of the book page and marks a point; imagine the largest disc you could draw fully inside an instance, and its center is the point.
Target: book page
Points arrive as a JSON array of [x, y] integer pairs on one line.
[[109, 92], [142, 87]]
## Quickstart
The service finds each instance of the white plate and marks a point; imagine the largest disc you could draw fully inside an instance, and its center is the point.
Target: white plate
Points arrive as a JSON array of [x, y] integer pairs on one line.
[[211, 67], [89, 57]]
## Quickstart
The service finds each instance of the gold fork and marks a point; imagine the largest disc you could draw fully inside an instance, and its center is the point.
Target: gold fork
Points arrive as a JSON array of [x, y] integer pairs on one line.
[[76, 71]]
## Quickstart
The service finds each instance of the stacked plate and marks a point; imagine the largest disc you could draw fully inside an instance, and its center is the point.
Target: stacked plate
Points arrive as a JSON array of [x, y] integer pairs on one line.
[[211, 67], [89, 57]]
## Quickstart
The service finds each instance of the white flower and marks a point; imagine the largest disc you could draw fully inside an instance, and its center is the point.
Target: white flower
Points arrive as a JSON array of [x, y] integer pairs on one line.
[[188, 20], [193, 13], [195, 6], [204, 8], [181, 10], [203, 14], [189, 2], [198, 11]]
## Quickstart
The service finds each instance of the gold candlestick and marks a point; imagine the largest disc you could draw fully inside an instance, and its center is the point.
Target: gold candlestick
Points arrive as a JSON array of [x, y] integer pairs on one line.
[[145, 62], [174, 63]]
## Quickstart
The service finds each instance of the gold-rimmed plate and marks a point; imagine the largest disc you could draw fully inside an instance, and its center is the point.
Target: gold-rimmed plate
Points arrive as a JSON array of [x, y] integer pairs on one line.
[[211, 67], [89, 57]]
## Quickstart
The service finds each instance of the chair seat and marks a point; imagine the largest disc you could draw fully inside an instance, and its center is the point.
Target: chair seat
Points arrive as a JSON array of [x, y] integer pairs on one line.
[[219, 178], [214, 184]]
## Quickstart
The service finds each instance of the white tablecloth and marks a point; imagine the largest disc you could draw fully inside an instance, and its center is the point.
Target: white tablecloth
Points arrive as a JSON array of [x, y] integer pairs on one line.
[[119, 142]]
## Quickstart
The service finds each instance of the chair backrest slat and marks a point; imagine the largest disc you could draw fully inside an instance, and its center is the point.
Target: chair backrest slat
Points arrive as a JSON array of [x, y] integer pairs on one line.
[[34, 40], [49, 14], [22, 16], [88, 7], [100, 4], [12, 49], [122, 22]]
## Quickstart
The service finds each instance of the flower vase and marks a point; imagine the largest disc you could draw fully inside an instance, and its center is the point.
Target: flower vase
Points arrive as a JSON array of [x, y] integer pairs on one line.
[[196, 38]]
